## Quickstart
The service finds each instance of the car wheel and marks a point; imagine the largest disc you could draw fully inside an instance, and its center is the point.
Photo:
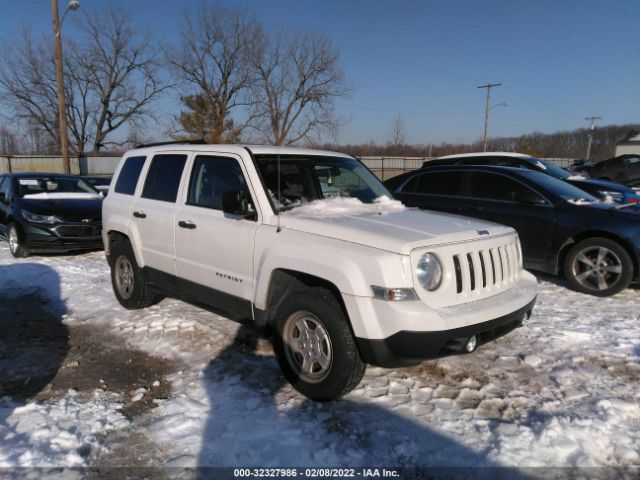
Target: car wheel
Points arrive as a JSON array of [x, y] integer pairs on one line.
[[127, 279], [598, 266], [315, 347], [17, 249]]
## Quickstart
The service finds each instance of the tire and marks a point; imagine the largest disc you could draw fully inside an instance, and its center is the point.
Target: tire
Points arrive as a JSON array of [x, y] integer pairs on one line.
[[127, 279], [598, 266], [16, 247], [337, 367]]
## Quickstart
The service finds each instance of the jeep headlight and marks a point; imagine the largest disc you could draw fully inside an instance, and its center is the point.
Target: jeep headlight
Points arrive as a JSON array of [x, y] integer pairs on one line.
[[429, 271]]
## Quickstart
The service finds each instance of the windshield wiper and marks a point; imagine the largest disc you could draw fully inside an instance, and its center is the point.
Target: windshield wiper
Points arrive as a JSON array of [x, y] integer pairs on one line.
[[625, 205]]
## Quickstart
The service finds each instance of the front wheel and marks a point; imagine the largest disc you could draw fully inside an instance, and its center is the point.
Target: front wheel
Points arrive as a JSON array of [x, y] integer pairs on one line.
[[598, 266], [127, 279], [17, 249], [314, 346]]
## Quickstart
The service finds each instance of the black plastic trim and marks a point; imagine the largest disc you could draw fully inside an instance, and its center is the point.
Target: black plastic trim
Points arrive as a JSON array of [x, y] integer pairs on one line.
[[407, 348]]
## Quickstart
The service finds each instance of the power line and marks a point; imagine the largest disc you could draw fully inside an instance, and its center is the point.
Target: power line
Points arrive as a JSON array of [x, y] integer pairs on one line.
[[408, 112]]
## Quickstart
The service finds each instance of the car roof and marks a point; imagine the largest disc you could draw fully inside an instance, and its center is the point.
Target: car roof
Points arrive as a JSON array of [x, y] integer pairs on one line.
[[513, 171], [486, 154], [235, 149]]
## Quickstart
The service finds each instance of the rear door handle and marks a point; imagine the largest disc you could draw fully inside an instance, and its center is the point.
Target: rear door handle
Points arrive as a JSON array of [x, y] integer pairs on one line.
[[187, 224], [139, 214]]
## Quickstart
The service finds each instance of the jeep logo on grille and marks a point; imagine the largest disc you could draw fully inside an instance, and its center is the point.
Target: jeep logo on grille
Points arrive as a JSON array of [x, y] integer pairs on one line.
[[86, 220], [483, 232]]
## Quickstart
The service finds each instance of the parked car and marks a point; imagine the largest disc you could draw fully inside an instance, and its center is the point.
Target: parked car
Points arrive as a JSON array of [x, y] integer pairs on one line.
[[99, 183], [581, 167], [49, 212], [599, 188], [623, 169], [562, 228], [308, 245]]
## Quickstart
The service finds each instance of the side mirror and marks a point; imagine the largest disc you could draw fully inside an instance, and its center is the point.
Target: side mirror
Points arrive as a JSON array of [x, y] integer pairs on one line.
[[234, 203]]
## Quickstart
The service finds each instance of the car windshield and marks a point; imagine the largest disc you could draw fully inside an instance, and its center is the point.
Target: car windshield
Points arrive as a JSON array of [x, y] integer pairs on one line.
[[304, 179], [551, 169], [47, 184]]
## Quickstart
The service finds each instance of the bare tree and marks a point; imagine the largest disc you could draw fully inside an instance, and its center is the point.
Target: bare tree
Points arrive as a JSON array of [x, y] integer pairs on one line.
[[211, 61], [9, 143], [397, 136], [122, 69], [27, 84], [298, 77], [112, 77]]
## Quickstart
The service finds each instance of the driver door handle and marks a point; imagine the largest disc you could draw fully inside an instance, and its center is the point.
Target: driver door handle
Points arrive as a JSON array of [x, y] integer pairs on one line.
[[188, 224], [139, 214]]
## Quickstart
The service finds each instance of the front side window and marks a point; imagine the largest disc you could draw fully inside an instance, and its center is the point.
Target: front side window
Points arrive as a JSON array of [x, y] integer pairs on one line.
[[298, 179], [211, 178], [498, 187], [163, 178], [5, 186], [129, 174]]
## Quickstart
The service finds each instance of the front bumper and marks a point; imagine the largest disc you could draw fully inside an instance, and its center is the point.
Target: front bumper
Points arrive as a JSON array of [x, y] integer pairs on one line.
[[409, 348], [403, 333], [56, 239]]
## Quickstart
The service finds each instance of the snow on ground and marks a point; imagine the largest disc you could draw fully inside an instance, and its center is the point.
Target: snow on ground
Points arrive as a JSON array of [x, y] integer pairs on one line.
[[560, 391]]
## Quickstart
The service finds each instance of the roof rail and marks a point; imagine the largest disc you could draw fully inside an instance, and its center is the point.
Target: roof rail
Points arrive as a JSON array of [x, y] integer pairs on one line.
[[195, 141]]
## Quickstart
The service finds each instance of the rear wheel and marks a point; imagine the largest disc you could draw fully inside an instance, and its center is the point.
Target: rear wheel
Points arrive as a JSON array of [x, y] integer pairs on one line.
[[16, 247], [598, 266], [315, 347], [127, 279]]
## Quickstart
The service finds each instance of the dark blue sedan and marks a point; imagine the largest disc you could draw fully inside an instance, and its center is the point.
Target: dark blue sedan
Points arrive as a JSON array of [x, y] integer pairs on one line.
[[49, 212], [562, 228]]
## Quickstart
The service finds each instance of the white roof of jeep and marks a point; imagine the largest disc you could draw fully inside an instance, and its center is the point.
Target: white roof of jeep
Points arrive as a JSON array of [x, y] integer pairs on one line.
[[235, 148], [487, 154]]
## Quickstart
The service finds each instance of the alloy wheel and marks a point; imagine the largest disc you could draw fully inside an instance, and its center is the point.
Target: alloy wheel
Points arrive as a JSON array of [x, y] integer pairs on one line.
[[307, 346], [124, 277], [14, 242], [597, 268]]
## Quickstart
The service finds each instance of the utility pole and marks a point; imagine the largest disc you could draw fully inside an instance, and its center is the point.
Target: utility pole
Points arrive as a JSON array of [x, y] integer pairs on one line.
[[488, 86], [593, 127], [62, 117]]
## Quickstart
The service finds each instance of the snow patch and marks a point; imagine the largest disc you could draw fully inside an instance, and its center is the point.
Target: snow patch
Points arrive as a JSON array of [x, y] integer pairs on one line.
[[62, 196], [347, 206]]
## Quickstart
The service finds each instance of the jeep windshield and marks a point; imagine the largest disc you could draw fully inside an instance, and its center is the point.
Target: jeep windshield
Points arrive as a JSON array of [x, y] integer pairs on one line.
[[296, 180]]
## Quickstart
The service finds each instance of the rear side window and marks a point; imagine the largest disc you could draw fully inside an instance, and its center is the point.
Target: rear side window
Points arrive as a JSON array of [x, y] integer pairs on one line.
[[129, 174], [499, 187], [439, 183], [5, 186], [163, 178]]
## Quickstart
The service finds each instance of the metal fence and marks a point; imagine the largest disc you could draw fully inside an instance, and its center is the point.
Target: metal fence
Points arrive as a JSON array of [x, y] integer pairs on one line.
[[388, 167], [53, 164], [383, 167]]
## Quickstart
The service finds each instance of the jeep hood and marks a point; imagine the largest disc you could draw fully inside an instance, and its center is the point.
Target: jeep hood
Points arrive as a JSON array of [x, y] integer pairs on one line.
[[398, 232]]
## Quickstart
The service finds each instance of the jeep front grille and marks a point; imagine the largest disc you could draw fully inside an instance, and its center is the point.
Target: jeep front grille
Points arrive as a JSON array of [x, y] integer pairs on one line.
[[473, 270]]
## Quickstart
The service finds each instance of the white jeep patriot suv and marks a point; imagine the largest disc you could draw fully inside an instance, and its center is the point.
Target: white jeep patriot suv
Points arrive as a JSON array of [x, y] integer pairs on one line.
[[308, 245]]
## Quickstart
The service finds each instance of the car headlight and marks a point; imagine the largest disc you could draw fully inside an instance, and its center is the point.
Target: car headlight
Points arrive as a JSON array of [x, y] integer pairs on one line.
[[615, 196], [35, 218], [429, 271]]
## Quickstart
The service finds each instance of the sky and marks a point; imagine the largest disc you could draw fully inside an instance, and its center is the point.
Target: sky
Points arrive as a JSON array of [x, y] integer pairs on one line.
[[558, 61]]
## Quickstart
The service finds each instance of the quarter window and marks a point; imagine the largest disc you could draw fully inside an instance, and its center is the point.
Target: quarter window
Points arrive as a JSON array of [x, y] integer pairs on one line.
[[129, 174], [211, 177], [163, 178]]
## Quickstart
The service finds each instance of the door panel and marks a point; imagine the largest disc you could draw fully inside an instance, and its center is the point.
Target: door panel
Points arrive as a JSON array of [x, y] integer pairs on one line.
[[215, 249], [154, 212]]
